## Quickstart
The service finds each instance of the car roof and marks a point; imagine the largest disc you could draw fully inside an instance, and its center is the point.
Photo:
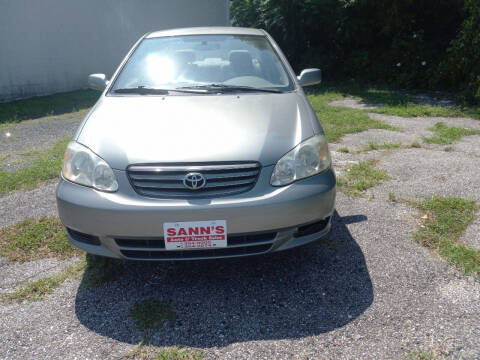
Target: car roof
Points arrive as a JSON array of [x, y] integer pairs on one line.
[[212, 30]]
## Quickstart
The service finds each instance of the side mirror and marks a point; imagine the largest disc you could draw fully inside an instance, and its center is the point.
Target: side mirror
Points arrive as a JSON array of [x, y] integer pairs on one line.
[[97, 82], [310, 77]]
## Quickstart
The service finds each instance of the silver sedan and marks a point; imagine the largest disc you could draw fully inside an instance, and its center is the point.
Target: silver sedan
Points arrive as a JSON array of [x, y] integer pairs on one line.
[[202, 145]]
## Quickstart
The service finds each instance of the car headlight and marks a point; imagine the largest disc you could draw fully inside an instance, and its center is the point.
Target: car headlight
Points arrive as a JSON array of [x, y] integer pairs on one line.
[[308, 158], [82, 166]]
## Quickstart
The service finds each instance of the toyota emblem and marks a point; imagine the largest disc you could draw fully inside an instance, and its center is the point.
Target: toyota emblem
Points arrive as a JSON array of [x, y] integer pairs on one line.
[[194, 181]]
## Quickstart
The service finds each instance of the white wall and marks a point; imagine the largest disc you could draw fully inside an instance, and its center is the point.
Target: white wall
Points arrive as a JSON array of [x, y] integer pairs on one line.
[[49, 46]]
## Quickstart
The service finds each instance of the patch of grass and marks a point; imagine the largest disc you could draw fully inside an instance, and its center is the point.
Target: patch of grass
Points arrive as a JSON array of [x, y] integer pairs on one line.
[[380, 97], [415, 145], [142, 352], [445, 220], [7, 127], [392, 197], [361, 177], [344, 150], [174, 353], [39, 106], [101, 270], [96, 271], [421, 355], [47, 166], [396, 103], [151, 314], [416, 110], [339, 121], [37, 290], [34, 239], [385, 146], [448, 134]]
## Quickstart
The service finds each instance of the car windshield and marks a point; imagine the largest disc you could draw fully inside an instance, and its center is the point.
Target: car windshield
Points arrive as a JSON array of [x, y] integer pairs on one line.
[[203, 62]]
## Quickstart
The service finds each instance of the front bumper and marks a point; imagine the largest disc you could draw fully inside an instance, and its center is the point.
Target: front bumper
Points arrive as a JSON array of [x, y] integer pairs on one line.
[[265, 219]]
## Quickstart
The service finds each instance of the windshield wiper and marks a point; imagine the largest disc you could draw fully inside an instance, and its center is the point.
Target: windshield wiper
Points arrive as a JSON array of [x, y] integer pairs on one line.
[[225, 88], [141, 90], [144, 90]]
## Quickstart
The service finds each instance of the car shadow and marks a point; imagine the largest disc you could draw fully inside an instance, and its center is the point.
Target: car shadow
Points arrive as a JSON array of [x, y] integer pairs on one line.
[[293, 294]]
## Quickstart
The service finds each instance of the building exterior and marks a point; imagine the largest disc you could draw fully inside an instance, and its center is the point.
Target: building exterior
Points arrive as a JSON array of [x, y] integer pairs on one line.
[[51, 46]]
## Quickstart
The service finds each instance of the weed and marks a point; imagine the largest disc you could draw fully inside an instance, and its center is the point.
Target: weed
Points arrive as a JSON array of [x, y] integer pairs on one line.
[[360, 178], [100, 270], [34, 239], [415, 145], [47, 165], [37, 290], [445, 220], [385, 146], [447, 134], [150, 352], [150, 315], [338, 121], [392, 197]]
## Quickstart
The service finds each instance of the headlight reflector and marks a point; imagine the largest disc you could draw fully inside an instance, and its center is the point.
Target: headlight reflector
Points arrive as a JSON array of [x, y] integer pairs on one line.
[[82, 166], [306, 159]]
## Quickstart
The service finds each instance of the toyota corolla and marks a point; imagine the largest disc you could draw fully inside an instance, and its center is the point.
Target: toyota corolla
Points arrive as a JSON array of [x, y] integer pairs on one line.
[[202, 145]]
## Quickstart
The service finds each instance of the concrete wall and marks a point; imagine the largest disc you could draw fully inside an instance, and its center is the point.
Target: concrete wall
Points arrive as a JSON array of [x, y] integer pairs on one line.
[[49, 46]]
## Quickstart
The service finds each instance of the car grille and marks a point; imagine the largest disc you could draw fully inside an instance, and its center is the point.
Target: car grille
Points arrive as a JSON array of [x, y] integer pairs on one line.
[[154, 248], [166, 181]]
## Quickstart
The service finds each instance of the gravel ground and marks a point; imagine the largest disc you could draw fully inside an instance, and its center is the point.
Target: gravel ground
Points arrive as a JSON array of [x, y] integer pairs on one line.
[[422, 99], [13, 275], [419, 173], [410, 130], [353, 104], [20, 205], [18, 140], [367, 291], [472, 235]]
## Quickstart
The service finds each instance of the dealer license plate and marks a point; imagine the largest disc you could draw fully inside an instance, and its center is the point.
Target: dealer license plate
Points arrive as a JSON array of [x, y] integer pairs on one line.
[[195, 235]]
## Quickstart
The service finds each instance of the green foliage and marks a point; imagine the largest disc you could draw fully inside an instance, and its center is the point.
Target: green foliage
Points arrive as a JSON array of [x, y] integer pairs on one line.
[[396, 50], [297, 25], [399, 42], [462, 66]]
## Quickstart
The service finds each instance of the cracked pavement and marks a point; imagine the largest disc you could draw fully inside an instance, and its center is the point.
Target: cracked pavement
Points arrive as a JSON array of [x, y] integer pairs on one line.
[[366, 291]]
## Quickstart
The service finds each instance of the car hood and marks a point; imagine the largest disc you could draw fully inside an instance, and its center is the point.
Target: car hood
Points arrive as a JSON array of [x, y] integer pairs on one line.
[[127, 130]]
